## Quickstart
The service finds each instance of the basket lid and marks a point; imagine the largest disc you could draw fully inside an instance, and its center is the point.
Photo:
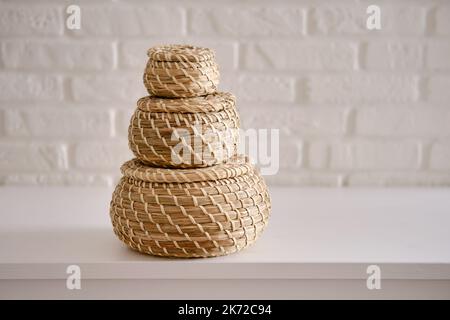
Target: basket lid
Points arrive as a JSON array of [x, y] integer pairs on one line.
[[180, 53], [210, 103], [235, 167]]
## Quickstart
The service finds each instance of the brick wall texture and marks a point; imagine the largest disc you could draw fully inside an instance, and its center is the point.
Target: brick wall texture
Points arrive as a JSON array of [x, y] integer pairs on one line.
[[355, 107]]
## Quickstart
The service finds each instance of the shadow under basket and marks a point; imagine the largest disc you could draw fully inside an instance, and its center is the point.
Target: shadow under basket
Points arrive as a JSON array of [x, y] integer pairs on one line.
[[190, 213]]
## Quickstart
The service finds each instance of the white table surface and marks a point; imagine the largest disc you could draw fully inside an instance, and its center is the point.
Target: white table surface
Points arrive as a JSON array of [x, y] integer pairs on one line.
[[312, 234]]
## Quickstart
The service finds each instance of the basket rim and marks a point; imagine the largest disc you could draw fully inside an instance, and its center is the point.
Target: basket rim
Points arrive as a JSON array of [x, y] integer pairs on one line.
[[180, 53], [234, 167], [213, 102]]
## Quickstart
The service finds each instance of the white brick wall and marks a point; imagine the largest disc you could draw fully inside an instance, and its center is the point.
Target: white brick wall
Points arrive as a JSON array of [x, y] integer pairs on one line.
[[355, 107]]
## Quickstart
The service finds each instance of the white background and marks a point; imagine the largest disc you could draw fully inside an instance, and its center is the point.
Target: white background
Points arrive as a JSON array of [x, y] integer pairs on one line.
[[354, 107]]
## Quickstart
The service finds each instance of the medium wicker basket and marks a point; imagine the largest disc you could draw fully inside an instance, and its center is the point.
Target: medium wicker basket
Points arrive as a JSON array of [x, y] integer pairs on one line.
[[176, 71], [190, 213], [185, 132]]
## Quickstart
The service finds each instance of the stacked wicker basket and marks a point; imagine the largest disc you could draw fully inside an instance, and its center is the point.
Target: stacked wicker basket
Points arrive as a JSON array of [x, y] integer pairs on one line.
[[187, 193]]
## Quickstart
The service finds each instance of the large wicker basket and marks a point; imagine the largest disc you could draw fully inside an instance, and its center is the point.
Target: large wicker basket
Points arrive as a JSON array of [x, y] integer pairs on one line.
[[186, 132], [190, 213], [176, 71]]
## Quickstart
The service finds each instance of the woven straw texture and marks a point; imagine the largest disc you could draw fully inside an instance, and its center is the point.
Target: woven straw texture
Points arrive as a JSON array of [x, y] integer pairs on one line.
[[185, 132], [181, 71], [184, 213]]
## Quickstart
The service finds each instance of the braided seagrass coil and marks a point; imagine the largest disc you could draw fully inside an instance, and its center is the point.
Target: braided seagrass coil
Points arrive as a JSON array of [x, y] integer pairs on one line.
[[185, 132], [190, 213], [176, 71]]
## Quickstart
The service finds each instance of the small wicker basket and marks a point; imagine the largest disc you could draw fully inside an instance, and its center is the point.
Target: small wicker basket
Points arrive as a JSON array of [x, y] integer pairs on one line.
[[176, 71], [190, 213], [185, 132]]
